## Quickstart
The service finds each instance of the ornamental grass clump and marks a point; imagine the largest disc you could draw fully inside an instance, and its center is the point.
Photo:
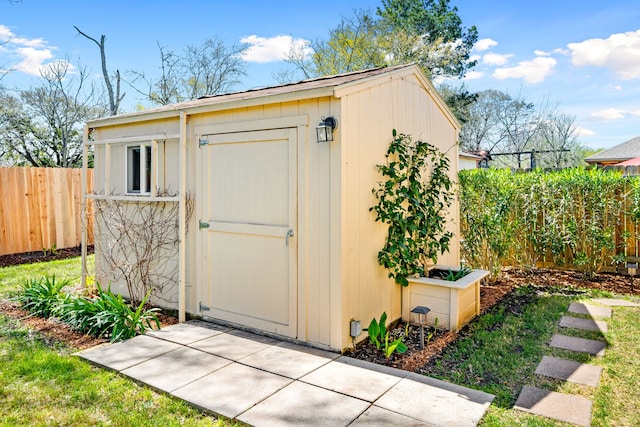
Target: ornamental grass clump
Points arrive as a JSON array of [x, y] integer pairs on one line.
[[413, 200], [104, 314], [41, 296]]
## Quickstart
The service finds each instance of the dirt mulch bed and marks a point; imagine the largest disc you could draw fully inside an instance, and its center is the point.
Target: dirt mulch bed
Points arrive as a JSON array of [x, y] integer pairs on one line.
[[41, 256], [412, 360], [59, 331], [490, 295]]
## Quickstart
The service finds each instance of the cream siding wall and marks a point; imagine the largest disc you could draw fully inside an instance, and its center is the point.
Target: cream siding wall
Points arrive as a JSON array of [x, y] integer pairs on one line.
[[369, 113], [338, 274]]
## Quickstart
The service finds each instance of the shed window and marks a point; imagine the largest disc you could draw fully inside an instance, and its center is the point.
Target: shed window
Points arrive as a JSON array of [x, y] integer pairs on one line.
[[139, 169]]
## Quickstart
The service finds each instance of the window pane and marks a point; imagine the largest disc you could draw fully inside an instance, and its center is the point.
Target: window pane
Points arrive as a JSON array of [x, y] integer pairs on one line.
[[133, 172], [148, 169]]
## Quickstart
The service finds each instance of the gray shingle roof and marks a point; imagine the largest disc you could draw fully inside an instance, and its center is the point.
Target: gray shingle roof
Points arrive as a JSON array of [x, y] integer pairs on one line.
[[621, 152]]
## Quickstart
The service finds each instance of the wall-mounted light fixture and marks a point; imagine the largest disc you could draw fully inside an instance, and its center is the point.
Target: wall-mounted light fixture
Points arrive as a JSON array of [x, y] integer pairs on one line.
[[324, 130]]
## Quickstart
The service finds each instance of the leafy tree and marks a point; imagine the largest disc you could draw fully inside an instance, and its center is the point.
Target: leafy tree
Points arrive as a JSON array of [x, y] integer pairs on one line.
[[207, 69], [429, 33], [434, 30], [42, 126]]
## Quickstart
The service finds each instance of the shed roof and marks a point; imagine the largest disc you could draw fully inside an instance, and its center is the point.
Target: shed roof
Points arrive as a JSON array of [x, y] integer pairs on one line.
[[309, 88], [621, 152]]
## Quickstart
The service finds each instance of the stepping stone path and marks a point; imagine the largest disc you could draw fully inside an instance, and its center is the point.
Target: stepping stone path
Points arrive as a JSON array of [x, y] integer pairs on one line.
[[566, 407]]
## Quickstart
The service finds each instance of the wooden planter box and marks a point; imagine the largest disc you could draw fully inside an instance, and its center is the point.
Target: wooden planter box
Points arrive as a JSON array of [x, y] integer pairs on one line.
[[453, 303]]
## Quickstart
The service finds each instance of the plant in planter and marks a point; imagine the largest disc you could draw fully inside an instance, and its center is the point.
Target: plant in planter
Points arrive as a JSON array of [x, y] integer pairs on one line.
[[413, 200]]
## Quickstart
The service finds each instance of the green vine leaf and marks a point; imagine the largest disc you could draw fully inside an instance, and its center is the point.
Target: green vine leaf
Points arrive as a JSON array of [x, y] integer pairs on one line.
[[413, 200]]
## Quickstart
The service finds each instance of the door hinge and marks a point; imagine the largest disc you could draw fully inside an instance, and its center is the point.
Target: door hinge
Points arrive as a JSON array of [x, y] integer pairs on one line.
[[203, 307], [202, 141], [203, 224]]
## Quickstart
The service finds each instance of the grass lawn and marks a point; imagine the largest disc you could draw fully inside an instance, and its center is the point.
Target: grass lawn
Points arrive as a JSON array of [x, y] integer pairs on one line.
[[43, 384], [503, 348]]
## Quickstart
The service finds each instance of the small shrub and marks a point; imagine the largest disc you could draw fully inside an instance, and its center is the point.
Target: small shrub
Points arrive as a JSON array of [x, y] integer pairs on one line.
[[109, 315], [41, 296], [379, 336]]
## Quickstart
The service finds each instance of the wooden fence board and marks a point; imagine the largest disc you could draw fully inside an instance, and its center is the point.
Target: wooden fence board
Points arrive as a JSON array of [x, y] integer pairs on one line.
[[40, 207]]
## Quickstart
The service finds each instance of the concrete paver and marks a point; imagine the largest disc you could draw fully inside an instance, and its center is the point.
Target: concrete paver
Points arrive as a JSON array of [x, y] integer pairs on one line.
[[289, 360], [232, 346], [585, 324], [357, 381], [231, 390], [436, 402], [615, 302], [591, 310], [568, 370], [186, 365], [301, 404], [593, 347], [186, 333], [563, 407], [125, 354], [379, 417]]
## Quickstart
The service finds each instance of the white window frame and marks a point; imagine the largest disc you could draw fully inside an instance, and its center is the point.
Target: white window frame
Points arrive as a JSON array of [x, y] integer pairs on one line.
[[146, 157]]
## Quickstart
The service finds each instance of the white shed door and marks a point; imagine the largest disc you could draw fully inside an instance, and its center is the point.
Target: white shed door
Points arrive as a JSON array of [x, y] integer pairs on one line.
[[249, 247]]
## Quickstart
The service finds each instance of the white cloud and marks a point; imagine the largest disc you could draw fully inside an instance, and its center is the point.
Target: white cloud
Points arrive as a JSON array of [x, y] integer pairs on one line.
[[496, 58], [534, 71], [269, 49], [484, 44], [473, 75], [584, 131], [32, 60], [609, 114], [635, 113], [475, 57], [27, 55], [560, 51], [620, 53]]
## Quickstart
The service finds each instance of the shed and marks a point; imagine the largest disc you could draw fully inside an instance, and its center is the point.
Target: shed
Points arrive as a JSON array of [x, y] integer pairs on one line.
[[281, 239]]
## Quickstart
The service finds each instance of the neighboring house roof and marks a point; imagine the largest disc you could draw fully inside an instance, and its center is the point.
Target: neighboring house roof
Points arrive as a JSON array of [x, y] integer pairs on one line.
[[310, 88], [619, 153], [631, 162], [467, 155]]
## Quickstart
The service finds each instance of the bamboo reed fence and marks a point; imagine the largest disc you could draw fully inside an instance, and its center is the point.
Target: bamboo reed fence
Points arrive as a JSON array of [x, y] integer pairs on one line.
[[41, 208]]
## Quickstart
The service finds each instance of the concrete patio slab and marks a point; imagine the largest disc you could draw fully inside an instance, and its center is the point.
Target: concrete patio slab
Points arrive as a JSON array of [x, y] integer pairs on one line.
[[125, 354], [186, 365], [435, 402], [584, 324], [232, 390], [300, 404], [232, 346], [563, 407], [591, 310], [349, 378], [379, 417], [289, 360], [336, 390], [615, 302], [568, 370], [593, 347], [186, 333]]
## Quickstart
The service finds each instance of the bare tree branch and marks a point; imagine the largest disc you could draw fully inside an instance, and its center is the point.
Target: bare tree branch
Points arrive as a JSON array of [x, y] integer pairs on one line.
[[114, 98]]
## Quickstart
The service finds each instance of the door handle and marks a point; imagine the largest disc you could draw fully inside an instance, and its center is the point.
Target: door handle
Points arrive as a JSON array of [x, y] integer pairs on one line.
[[286, 239]]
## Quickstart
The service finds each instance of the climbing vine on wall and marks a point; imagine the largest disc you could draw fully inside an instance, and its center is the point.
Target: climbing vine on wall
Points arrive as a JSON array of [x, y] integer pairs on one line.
[[413, 200]]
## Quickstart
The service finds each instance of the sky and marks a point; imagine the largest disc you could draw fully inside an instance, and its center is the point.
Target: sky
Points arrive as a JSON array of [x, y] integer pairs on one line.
[[581, 57]]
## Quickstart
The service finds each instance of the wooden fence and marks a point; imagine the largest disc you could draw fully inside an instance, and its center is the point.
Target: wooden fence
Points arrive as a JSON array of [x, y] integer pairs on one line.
[[40, 208]]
